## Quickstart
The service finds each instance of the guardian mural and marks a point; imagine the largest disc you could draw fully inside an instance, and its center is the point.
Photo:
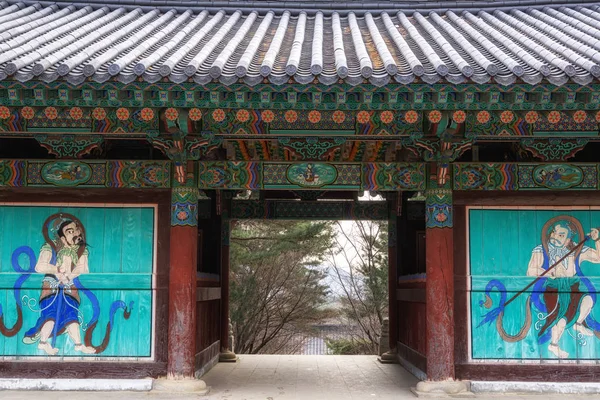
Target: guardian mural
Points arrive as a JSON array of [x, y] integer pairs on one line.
[[76, 281], [534, 278]]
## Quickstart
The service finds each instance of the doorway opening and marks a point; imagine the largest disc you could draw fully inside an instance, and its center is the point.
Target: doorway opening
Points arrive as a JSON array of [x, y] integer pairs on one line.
[[308, 279], [308, 287]]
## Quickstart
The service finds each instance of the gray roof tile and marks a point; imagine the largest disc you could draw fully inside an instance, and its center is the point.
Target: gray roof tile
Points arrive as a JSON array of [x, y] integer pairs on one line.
[[73, 42]]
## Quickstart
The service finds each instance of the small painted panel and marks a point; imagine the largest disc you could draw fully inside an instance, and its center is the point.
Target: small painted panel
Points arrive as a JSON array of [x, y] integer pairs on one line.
[[438, 208], [230, 175], [138, 174], [76, 281], [558, 176], [12, 173], [534, 284], [66, 173], [485, 176], [394, 176], [311, 174]]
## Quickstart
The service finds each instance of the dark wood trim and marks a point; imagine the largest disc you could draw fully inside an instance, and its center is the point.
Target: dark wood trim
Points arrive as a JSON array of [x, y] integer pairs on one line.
[[208, 323], [162, 276], [319, 210], [528, 372], [225, 235], [205, 357], [461, 283], [206, 282], [69, 196], [393, 232], [412, 284], [82, 370], [461, 310], [412, 356], [225, 270], [99, 369], [208, 293], [412, 295]]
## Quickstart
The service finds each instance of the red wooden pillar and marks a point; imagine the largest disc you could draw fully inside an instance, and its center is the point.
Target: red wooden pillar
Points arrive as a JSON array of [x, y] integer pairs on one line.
[[226, 354], [182, 283], [440, 284]]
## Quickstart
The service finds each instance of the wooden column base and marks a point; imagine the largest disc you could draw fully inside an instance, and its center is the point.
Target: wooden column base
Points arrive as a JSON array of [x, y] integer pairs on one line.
[[195, 386], [444, 389], [390, 357], [228, 356]]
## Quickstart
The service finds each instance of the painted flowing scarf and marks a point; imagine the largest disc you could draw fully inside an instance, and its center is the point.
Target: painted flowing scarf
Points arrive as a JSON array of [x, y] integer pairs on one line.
[[26, 273], [539, 288]]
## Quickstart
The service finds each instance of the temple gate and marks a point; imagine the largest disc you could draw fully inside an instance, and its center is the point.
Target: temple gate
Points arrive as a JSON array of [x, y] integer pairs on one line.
[[128, 144]]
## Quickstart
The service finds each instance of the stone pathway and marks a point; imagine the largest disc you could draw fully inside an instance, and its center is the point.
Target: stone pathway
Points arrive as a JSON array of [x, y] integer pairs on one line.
[[281, 377], [284, 377]]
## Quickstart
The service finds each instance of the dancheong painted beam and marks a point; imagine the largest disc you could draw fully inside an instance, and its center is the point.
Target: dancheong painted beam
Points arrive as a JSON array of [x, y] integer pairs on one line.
[[330, 176], [526, 176], [299, 175], [85, 174], [291, 126], [396, 176]]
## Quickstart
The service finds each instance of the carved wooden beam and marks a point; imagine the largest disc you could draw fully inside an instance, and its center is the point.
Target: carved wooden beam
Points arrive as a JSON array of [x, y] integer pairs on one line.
[[440, 151], [554, 149], [69, 146], [181, 148]]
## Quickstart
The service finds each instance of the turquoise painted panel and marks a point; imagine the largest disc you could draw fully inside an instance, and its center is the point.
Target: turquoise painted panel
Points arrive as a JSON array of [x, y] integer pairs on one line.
[[66, 173], [311, 174], [516, 313], [76, 281]]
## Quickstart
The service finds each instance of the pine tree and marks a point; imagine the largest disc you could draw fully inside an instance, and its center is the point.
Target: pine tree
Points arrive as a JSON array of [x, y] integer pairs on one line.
[[359, 265], [277, 287]]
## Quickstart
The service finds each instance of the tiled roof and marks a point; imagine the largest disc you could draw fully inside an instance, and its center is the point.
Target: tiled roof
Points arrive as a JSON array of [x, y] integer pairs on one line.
[[76, 42]]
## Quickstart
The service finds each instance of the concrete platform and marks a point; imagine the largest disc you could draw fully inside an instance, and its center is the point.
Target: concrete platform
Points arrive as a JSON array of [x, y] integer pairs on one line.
[[137, 385], [564, 388]]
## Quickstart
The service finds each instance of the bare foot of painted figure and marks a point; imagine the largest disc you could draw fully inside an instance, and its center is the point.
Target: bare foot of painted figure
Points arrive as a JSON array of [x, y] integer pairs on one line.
[[583, 330], [554, 349], [51, 351], [85, 349]]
